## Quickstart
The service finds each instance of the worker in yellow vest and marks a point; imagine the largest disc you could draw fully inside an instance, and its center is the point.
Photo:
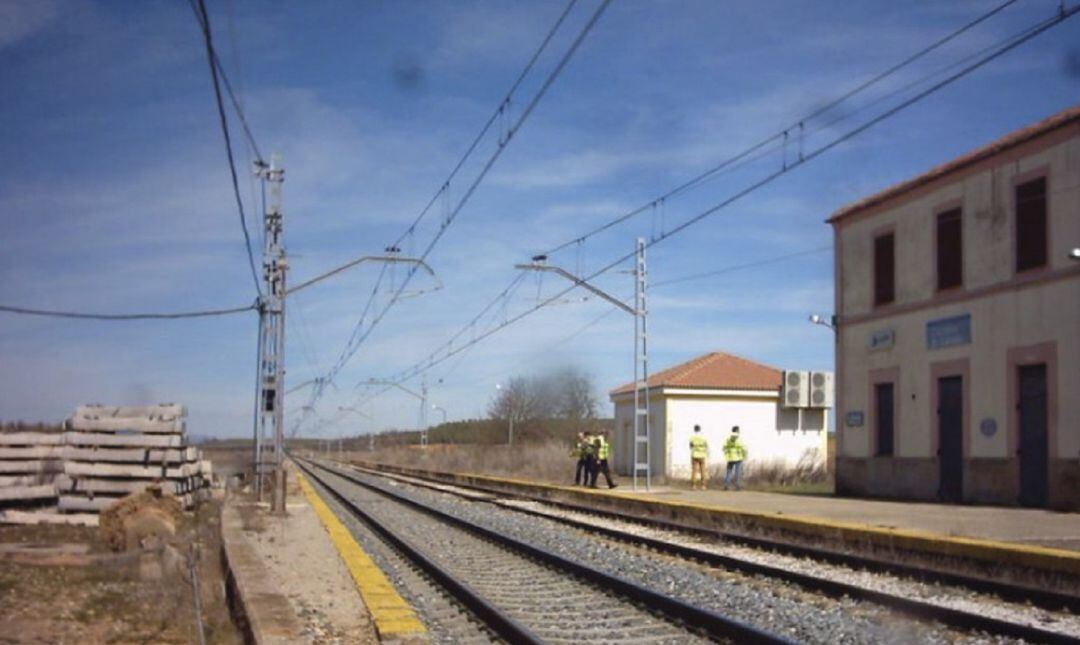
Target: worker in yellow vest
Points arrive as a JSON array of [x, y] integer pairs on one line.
[[588, 455], [734, 454], [603, 454], [581, 472], [699, 454]]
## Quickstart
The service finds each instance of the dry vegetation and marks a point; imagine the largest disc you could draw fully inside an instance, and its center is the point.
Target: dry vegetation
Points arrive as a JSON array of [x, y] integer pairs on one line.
[[62, 584], [550, 461]]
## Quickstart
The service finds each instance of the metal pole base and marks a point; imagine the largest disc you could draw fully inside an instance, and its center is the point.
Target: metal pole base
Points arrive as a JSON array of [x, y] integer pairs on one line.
[[278, 505]]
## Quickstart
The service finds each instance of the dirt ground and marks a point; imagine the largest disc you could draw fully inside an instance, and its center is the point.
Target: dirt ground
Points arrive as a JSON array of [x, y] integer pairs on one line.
[[61, 584], [303, 562]]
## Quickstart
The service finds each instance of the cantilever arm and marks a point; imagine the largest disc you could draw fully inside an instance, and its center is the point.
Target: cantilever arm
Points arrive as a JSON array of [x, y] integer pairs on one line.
[[579, 282], [391, 259], [399, 386]]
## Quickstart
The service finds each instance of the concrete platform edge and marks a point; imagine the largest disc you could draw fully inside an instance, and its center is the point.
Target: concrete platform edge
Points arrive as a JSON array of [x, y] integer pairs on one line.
[[394, 618], [264, 615], [1038, 558]]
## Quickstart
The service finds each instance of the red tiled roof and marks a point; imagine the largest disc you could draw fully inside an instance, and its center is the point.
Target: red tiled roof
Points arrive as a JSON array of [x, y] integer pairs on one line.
[[1023, 135], [715, 370]]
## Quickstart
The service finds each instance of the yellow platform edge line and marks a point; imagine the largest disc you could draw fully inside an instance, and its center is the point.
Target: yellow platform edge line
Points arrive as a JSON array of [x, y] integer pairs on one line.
[[392, 614], [1033, 556]]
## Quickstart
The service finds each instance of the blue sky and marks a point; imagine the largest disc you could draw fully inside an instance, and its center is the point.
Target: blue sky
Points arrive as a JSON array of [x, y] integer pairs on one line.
[[115, 197]]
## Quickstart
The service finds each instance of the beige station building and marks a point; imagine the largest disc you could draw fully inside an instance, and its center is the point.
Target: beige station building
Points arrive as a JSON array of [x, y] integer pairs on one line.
[[958, 328]]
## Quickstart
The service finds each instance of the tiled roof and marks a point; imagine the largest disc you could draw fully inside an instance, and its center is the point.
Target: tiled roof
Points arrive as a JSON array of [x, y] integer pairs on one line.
[[715, 370], [1023, 135]]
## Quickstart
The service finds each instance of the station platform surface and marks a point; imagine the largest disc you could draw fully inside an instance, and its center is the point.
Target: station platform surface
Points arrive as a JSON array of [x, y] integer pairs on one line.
[[1005, 524]]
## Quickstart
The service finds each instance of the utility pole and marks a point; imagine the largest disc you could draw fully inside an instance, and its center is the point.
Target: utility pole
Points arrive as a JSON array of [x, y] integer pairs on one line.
[[642, 444], [510, 414], [641, 439], [271, 418], [423, 412]]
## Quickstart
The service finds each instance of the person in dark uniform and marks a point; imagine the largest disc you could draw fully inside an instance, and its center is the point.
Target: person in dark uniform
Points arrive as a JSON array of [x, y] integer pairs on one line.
[[588, 451], [581, 473]]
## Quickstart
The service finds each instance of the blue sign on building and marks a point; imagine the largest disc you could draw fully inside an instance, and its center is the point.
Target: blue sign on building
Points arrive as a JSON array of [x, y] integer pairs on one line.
[[947, 332]]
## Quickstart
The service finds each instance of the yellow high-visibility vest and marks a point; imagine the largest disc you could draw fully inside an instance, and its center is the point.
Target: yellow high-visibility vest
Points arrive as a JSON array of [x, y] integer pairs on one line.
[[605, 448], [699, 447], [734, 450]]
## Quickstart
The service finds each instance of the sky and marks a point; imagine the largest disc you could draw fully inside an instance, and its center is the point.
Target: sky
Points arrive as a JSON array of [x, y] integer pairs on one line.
[[115, 194]]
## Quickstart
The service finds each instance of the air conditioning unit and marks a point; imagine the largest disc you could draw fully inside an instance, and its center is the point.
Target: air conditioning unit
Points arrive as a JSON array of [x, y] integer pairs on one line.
[[796, 390], [821, 390]]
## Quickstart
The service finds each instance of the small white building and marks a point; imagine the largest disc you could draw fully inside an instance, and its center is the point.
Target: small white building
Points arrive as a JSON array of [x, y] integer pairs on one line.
[[716, 391]]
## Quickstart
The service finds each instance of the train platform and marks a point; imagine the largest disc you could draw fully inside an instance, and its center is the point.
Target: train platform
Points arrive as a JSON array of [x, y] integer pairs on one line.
[[996, 540], [1023, 526], [295, 577]]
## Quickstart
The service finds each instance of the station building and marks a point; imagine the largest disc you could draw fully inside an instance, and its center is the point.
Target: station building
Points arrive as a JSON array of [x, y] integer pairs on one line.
[[958, 328], [716, 391]]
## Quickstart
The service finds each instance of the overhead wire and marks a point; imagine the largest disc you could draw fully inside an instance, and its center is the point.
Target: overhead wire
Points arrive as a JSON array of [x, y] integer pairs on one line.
[[52, 313], [1004, 47], [204, 22], [779, 136], [498, 112], [233, 95], [740, 267], [358, 335], [502, 144], [771, 144], [766, 146]]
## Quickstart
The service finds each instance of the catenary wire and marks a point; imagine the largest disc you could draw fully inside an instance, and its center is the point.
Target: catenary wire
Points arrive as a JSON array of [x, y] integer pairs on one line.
[[771, 144], [233, 95], [1007, 45], [211, 56], [740, 267], [778, 136], [51, 313], [499, 111], [530, 106], [355, 337]]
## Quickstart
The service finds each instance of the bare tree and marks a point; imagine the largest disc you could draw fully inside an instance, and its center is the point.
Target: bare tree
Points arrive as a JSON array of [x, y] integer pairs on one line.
[[567, 393], [515, 401], [576, 394]]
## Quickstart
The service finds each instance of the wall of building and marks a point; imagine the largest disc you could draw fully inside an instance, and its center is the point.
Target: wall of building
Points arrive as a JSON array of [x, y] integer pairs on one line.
[[623, 448], [755, 413], [1036, 314]]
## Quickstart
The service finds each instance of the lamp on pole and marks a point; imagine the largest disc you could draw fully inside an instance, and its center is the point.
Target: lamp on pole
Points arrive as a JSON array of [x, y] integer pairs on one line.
[[1075, 253], [818, 319], [440, 409]]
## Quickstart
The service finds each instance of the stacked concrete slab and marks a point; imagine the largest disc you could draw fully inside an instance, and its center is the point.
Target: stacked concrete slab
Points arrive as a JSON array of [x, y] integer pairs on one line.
[[105, 453]]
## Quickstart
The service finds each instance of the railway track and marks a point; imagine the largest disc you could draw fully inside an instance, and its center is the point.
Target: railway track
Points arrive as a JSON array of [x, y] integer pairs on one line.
[[523, 593], [1041, 597], [982, 616]]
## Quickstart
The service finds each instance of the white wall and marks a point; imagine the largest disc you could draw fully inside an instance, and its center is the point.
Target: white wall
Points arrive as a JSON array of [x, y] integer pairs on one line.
[[623, 448], [675, 414], [757, 421]]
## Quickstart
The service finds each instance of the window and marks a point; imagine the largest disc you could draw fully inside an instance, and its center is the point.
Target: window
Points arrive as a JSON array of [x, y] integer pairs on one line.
[[884, 269], [787, 418], [950, 251], [883, 423], [1031, 224]]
